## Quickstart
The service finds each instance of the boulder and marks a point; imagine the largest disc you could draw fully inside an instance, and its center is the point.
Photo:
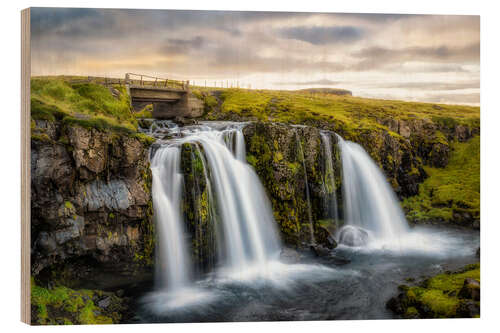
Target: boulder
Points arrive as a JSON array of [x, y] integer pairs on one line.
[[324, 238], [181, 121], [353, 236], [319, 250], [470, 290], [468, 309]]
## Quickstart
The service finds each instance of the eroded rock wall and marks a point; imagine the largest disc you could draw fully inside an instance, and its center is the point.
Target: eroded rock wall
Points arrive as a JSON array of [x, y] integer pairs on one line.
[[91, 208]]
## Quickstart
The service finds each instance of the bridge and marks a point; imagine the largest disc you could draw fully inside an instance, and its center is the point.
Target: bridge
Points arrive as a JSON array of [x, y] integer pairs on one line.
[[170, 98]]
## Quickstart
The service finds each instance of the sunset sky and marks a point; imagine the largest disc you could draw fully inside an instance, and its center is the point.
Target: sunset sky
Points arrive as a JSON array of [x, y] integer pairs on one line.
[[432, 58]]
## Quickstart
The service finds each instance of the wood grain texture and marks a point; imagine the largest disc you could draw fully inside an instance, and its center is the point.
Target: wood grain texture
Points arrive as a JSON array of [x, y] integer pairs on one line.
[[25, 167]]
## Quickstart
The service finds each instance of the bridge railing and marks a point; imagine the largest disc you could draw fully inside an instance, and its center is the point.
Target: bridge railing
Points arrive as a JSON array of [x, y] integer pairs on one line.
[[153, 81]]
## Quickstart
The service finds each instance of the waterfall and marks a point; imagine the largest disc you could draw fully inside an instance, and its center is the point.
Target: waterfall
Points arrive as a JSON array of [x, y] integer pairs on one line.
[[247, 238], [308, 195], [370, 206], [172, 261], [329, 177]]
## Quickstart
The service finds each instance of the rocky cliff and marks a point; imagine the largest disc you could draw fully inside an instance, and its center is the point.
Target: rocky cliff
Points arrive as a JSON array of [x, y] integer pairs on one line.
[[91, 211]]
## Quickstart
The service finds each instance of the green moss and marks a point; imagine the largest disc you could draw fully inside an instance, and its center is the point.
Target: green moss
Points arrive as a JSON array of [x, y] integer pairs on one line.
[[439, 303], [326, 223], [101, 123], [146, 112], [439, 137], [252, 160], [278, 157], [452, 190], [449, 283], [294, 166], [438, 294], [144, 139], [40, 137], [411, 312], [62, 305]]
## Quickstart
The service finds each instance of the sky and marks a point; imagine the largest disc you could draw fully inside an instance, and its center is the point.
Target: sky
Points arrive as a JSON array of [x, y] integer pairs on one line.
[[430, 58]]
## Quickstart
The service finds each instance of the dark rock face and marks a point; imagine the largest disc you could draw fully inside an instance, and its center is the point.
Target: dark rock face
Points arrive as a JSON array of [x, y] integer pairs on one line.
[[198, 208], [284, 157], [90, 201]]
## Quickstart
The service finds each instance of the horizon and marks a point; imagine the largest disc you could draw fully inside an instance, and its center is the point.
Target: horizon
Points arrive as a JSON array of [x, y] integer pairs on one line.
[[414, 58]]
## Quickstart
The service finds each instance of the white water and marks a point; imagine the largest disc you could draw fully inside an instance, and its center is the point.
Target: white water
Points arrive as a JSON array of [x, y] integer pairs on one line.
[[369, 202], [249, 239], [374, 218], [172, 260]]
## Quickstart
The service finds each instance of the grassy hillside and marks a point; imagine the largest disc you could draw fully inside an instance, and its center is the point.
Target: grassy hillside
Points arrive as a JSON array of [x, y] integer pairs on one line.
[[451, 192], [88, 104], [352, 112]]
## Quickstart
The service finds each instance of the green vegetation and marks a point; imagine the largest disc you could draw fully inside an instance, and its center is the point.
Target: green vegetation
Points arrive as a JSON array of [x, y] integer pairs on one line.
[[352, 112], [65, 306], [452, 192], [438, 297], [89, 105], [146, 112]]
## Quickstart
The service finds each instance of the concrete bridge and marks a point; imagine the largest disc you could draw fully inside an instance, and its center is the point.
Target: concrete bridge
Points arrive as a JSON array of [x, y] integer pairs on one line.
[[170, 98]]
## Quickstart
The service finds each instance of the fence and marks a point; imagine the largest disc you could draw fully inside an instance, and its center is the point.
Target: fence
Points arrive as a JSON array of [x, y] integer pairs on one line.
[[146, 80]]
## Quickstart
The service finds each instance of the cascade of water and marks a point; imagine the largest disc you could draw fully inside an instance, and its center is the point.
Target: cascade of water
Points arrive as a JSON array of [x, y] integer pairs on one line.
[[235, 142], [172, 266], [329, 177], [370, 204], [308, 196], [249, 238], [247, 220]]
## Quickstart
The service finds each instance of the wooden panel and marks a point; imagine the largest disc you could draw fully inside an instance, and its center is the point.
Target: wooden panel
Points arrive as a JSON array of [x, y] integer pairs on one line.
[[25, 168]]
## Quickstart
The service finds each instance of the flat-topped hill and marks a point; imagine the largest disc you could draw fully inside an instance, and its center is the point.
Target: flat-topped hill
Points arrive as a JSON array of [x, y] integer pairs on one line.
[[330, 91]]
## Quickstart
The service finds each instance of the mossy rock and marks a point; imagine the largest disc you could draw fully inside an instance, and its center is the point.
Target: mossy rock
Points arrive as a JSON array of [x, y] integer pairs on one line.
[[64, 306], [438, 296]]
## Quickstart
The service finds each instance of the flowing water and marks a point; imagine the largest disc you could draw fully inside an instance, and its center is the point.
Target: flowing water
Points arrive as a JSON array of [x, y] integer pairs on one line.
[[253, 281], [372, 211], [172, 260]]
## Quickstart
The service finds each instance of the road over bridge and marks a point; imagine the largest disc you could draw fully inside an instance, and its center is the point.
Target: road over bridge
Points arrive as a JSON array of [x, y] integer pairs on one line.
[[170, 98]]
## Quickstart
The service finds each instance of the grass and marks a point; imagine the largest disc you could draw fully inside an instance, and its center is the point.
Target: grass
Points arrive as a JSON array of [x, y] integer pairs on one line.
[[90, 105], [351, 112], [452, 190]]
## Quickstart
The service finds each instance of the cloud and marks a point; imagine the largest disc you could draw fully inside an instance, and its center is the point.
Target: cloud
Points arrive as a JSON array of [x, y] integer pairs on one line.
[[319, 35], [377, 56], [281, 46], [174, 46]]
